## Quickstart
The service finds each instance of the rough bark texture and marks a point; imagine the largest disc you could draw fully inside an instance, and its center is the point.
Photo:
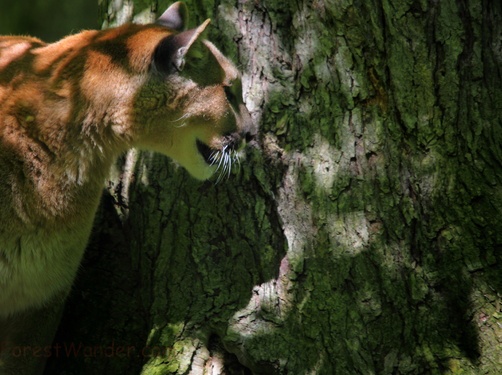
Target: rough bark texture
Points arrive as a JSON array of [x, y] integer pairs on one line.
[[362, 234]]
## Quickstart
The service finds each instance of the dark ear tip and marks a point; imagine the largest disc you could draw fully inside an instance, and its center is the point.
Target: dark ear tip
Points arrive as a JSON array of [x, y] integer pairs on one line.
[[175, 17], [171, 51]]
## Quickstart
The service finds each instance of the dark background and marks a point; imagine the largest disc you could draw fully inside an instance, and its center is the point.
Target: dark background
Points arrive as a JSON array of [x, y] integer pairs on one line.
[[48, 20]]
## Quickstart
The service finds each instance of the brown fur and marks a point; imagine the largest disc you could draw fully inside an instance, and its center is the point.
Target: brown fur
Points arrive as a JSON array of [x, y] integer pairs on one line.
[[67, 110]]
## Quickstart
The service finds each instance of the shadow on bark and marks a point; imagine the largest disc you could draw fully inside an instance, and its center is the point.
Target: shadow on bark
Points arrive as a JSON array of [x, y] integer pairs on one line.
[[358, 314], [402, 305], [177, 265]]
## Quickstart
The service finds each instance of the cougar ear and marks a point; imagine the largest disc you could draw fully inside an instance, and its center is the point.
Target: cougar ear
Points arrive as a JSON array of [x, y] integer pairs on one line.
[[175, 17], [173, 49]]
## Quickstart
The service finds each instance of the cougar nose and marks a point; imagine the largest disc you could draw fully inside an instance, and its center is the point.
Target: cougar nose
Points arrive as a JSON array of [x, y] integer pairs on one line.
[[237, 140], [233, 141]]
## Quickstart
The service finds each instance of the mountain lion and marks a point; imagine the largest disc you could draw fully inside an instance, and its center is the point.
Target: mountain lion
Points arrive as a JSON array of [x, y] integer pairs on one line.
[[67, 111]]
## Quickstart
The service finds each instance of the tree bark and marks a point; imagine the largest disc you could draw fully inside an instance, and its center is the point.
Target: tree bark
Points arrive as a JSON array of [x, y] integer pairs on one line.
[[362, 234]]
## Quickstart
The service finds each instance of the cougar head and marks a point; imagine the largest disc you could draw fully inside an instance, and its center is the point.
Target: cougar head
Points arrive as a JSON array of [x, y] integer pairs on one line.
[[202, 120]]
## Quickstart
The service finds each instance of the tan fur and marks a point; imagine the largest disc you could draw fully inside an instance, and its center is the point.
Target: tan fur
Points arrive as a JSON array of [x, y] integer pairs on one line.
[[67, 110]]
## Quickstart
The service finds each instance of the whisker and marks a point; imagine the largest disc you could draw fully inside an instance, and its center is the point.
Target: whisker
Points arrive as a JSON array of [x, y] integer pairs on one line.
[[238, 160], [219, 179], [224, 169], [183, 117], [229, 166], [220, 155], [221, 171], [225, 161], [213, 157]]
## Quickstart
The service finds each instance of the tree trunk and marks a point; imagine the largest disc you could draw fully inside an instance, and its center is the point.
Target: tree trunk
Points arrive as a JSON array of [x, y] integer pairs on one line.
[[362, 234]]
